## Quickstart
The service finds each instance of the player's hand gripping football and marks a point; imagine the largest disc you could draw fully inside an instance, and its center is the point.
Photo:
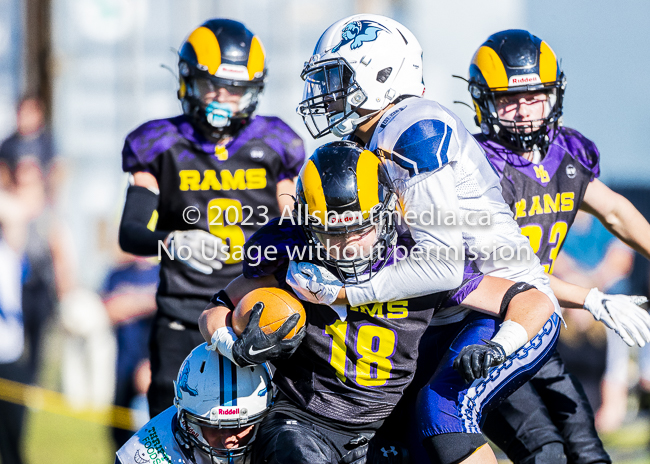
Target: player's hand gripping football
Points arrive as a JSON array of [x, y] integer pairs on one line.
[[622, 314], [474, 361], [313, 283], [205, 251], [255, 347]]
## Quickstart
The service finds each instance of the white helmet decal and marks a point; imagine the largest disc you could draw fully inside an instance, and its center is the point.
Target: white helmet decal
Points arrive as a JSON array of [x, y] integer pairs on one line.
[[359, 32]]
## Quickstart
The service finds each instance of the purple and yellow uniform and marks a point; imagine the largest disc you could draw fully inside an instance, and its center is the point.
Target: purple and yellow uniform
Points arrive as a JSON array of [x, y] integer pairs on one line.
[[201, 180], [352, 371], [545, 197]]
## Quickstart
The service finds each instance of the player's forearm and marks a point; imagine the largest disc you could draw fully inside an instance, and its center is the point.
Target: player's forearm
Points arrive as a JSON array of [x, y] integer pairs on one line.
[[216, 316], [409, 278], [212, 319], [623, 220], [569, 295], [530, 309], [137, 234]]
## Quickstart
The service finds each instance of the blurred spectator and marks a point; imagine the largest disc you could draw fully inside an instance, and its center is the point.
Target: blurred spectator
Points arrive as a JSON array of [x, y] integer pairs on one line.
[[595, 258], [26, 302], [32, 141], [129, 296]]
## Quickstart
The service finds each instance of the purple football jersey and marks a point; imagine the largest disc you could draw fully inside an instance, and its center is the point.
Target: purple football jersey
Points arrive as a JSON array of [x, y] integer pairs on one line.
[[545, 197], [230, 190]]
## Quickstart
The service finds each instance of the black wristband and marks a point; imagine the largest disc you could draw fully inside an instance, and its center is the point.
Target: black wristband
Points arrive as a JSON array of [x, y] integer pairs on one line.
[[222, 299], [513, 291]]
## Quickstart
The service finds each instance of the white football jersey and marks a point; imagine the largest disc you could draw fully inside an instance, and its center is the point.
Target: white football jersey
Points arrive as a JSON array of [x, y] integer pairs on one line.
[[153, 443], [451, 201]]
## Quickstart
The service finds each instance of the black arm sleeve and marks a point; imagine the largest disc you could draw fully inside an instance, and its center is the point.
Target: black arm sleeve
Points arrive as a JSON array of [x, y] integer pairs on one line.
[[135, 237]]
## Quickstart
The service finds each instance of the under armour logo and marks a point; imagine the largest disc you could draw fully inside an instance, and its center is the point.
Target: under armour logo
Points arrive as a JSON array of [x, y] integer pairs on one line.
[[391, 450]]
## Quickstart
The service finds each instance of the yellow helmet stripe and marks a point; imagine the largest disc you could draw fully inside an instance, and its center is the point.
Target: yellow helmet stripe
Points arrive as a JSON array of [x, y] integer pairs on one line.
[[313, 189], [367, 181], [547, 63], [255, 58], [491, 66], [206, 47]]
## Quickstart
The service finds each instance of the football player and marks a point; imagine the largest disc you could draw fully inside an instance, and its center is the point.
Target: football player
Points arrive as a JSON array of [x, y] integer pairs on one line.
[[217, 410], [548, 172], [354, 363], [203, 182], [364, 82]]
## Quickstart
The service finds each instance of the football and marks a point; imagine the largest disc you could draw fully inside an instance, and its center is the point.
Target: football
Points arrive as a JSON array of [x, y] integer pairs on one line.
[[279, 305]]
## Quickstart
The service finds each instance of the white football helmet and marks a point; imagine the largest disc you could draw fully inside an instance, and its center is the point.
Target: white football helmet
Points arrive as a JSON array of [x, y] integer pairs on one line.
[[211, 391], [365, 62]]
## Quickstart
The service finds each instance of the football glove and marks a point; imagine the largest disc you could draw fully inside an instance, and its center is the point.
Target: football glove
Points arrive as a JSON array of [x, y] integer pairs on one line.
[[255, 347], [474, 361], [198, 249], [622, 314], [313, 283]]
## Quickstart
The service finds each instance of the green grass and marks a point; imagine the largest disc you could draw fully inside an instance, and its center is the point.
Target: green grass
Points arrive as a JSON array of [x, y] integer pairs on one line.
[[64, 440]]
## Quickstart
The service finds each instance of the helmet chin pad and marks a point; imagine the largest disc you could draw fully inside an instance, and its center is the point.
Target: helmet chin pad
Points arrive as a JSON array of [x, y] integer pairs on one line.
[[346, 126]]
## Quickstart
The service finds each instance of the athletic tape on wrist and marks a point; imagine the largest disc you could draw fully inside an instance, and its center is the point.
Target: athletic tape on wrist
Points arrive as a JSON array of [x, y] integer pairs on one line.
[[514, 290], [223, 340], [511, 336]]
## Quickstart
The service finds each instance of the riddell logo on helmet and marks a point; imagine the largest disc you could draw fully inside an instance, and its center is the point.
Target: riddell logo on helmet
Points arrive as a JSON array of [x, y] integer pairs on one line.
[[349, 217], [524, 79], [228, 411]]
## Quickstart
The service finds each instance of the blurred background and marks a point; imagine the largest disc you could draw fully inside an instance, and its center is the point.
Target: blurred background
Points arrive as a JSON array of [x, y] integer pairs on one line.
[[79, 75]]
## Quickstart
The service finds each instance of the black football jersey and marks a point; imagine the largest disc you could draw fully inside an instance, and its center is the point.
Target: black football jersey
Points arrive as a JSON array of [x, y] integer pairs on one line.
[[228, 190], [353, 370], [545, 197]]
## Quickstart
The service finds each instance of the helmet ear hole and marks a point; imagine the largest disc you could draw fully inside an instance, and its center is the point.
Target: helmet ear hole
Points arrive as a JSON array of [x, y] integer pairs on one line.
[[384, 74]]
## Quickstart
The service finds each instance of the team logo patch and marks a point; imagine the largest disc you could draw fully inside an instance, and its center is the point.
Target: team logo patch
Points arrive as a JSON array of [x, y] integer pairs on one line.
[[359, 32], [570, 171], [257, 154]]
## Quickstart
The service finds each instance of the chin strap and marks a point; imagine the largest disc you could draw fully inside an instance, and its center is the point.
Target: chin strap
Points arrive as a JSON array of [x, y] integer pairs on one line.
[[348, 125]]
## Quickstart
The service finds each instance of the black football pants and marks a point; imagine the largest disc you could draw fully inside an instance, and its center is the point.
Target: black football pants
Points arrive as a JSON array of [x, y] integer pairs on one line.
[[169, 344], [282, 439], [550, 409]]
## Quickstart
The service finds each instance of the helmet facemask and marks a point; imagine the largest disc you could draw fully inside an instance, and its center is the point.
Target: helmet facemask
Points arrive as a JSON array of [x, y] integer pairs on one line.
[[218, 106], [190, 436], [330, 98], [520, 136], [345, 249]]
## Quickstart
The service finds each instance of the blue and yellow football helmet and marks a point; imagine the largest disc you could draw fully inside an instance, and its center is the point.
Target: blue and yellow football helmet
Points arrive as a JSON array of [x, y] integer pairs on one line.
[[220, 55], [342, 191], [516, 61]]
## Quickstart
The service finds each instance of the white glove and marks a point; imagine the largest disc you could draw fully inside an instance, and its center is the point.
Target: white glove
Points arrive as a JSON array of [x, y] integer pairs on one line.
[[313, 283], [622, 314], [198, 249]]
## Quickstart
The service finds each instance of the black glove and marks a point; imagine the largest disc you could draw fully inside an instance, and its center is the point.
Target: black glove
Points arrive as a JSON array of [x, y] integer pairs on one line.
[[475, 361], [255, 347]]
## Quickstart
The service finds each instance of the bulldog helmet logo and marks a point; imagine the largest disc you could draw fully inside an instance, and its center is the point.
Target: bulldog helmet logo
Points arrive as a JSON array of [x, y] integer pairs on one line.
[[359, 32]]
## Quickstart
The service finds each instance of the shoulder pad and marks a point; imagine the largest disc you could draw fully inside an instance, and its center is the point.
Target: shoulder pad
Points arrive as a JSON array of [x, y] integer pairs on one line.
[[423, 146], [582, 149], [143, 145]]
